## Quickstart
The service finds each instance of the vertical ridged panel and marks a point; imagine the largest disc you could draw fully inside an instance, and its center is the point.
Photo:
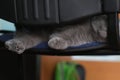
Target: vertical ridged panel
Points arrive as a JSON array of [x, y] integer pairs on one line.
[[36, 12], [47, 9], [25, 3]]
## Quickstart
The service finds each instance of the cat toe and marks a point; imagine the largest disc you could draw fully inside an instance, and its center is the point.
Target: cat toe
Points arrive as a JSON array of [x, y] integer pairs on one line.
[[20, 51], [8, 44], [57, 43], [19, 48], [15, 46]]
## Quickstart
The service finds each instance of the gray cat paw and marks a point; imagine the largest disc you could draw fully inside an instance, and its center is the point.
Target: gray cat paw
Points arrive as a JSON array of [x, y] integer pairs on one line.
[[15, 45], [57, 43]]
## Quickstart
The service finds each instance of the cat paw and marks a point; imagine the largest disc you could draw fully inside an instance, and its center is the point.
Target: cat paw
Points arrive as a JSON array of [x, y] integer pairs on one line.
[[57, 43], [15, 45]]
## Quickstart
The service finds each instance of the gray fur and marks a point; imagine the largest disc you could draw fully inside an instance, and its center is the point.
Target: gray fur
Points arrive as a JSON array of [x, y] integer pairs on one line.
[[75, 35], [23, 41], [71, 35]]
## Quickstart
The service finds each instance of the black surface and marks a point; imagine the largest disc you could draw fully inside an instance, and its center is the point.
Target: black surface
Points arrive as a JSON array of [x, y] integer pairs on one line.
[[111, 6], [54, 11], [7, 10], [37, 11], [100, 51], [31, 67], [47, 11], [18, 67], [9, 66], [75, 9], [113, 31]]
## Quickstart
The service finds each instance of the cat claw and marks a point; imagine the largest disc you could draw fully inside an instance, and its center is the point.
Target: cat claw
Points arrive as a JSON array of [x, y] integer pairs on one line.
[[15, 46], [57, 43]]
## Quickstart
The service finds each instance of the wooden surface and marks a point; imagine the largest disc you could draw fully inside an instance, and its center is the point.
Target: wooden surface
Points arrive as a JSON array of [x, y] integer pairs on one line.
[[48, 65], [101, 70], [94, 70]]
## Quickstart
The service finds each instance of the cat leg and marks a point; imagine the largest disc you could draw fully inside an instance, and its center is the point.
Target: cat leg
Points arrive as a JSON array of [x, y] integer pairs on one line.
[[57, 43], [15, 45], [23, 43]]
